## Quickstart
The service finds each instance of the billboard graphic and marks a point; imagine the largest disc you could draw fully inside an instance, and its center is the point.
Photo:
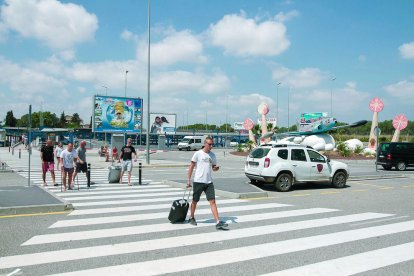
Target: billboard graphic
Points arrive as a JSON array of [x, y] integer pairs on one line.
[[117, 114], [162, 123]]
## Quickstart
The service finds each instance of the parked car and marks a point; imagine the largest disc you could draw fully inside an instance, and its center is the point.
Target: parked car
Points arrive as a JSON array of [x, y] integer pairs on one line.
[[234, 143], [395, 154], [284, 165]]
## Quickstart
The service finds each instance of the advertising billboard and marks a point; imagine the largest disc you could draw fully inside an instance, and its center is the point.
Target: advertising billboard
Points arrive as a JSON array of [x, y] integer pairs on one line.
[[162, 123], [117, 114]]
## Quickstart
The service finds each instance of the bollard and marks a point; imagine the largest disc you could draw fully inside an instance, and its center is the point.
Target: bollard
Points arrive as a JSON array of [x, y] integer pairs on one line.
[[9, 148], [140, 173], [20, 153], [88, 175], [12, 151]]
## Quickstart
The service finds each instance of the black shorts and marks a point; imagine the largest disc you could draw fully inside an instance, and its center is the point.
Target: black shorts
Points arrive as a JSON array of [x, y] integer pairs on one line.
[[81, 167], [68, 170], [207, 188]]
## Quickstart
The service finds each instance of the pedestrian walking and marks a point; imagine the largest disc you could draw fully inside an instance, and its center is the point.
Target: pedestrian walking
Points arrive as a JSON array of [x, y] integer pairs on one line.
[[205, 162], [48, 164], [126, 156], [68, 158], [58, 152], [81, 165]]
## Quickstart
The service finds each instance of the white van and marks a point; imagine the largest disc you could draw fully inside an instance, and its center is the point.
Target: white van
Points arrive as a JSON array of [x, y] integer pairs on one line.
[[191, 143]]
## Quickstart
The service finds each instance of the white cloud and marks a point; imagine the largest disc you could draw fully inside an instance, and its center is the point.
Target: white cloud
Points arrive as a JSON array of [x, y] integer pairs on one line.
[[282, 17], [26, 82], [404, 90], [127, 35], [407, 50], [241, 36], [179, 82], [176, 47], [302, 78], [58, 25]]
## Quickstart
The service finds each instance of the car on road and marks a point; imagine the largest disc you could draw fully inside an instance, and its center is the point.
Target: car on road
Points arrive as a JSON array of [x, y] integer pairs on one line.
[[191, 143], [284, 165], [396, 154]]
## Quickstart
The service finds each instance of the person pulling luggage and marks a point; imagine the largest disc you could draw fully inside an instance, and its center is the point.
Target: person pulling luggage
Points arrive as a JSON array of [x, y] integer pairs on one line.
[[205, 162], [126, 156]]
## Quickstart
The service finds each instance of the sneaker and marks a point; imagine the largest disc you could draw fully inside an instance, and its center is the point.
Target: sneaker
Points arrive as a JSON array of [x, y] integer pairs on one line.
[[192, 221], [222, 225], [55, 184]]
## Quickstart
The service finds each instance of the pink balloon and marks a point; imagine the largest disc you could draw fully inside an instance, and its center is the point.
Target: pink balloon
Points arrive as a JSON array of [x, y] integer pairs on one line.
[[263, 109], [400, 122], [376, 105], [248, 124]]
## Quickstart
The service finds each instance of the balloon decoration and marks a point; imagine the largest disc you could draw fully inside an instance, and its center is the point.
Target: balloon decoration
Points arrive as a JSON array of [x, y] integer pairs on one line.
[[376, 105], [248, 124], [263, 109], [400, 122]]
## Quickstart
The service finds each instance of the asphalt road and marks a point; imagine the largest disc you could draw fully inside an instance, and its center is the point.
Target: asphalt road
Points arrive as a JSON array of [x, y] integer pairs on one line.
[[365, 228]]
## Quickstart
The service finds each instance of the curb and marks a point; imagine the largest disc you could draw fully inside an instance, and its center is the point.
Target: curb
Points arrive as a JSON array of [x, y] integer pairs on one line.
[[374, 177], [221, 192], [42, 208]]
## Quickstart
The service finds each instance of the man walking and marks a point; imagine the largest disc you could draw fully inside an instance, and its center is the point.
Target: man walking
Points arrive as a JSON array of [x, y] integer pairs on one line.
[[48, 164], [205, 162], [81, 165], [126, 155], [68, 157]]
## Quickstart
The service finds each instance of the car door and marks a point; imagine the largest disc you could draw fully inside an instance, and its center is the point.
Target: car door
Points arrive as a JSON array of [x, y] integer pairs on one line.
[[410, 153], [300, 164], [319, 166]]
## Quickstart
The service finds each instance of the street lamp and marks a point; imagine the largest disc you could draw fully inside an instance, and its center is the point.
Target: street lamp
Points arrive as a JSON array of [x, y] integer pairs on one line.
[[277, 102], [148, 83], [332, 80], [126, 78], [288, 108], [106, 89]]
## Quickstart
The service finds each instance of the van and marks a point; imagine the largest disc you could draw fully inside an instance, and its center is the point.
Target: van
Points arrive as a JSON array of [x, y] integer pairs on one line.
[[191, 143], [395, 154]]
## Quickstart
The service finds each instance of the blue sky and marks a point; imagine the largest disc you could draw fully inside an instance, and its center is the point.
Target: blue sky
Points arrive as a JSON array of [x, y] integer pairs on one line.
[[210, 58]]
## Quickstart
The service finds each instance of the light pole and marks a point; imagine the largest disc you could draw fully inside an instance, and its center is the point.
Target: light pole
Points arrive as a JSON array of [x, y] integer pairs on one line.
[[106, 89], [277, 102], [288, 108], [332, 80], [227, 106], [126, 81], [148, 83]]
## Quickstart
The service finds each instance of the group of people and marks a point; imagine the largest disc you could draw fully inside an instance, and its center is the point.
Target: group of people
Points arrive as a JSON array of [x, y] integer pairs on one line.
[[71, 162]]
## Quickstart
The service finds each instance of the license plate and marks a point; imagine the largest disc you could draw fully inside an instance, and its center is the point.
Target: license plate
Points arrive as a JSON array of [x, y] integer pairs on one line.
[[253, 163]]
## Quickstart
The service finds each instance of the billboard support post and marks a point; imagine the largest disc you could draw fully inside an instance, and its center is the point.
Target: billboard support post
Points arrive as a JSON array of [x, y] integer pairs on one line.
[[148, 81]]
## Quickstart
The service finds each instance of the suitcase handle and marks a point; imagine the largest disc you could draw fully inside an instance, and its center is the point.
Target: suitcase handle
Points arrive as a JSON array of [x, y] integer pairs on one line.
[[185, 191]]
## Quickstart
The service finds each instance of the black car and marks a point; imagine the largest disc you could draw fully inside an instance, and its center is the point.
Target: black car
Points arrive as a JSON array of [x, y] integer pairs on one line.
[[395, 154]]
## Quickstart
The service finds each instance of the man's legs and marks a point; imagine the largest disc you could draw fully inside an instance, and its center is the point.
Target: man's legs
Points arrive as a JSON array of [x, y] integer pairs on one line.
[[129, 172], [213, 207], [44, 170], [70, 173], [53, 176], [64, 179]]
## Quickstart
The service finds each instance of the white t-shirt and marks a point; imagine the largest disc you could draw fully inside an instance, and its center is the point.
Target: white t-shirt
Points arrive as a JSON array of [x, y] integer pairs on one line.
[[67, 158], [58, 151], [204, 162]]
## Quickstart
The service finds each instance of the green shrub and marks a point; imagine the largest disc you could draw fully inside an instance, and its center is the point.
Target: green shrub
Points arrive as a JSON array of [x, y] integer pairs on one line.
[[343, 149], [358, 149]]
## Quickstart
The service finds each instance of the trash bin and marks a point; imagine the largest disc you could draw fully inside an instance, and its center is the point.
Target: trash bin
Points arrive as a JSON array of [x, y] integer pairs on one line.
[[114, 173]]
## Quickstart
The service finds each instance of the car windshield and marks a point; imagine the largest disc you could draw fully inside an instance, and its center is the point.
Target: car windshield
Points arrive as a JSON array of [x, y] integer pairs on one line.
[[259, 152]]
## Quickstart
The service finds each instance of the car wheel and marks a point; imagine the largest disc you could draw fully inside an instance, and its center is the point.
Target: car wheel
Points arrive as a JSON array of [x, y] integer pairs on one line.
[[283, 182], [188, 149], [387, 167], [179, 149], [401, 166], [339, 180]]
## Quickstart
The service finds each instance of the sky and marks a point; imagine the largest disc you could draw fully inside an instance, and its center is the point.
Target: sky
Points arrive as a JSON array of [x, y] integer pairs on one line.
[[211, 61]]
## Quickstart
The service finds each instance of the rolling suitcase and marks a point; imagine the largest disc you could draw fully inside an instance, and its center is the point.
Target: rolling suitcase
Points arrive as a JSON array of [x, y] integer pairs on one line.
[[179, 209], [114, 173]]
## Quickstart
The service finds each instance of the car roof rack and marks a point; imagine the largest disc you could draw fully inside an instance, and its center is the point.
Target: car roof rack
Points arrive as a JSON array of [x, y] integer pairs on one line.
[[286, 145]]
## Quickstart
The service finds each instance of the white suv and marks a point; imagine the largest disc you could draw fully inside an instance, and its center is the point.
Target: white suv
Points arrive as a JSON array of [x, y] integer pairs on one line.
[[284, 165]]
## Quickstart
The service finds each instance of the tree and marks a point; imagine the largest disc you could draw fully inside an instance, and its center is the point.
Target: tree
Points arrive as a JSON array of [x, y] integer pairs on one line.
[[76, 119], [90, 123], [11, 121], [62, 120]]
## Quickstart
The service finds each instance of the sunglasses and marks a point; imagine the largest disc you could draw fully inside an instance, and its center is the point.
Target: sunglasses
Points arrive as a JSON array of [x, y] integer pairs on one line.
[[209, 144]]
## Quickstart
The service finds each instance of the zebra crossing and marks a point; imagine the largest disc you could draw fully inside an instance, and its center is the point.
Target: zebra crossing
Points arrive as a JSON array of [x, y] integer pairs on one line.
[[120, 230]]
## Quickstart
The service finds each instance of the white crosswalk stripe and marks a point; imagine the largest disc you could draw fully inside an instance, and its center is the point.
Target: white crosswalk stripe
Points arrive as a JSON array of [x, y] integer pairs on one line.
[[121, 230]]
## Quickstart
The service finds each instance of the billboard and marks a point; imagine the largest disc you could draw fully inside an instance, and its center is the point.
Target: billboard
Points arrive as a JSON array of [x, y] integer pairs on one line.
[[117, 114], [162, 123]]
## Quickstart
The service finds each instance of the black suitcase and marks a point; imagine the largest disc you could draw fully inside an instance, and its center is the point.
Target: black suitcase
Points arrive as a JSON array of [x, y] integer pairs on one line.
[[179, 209]]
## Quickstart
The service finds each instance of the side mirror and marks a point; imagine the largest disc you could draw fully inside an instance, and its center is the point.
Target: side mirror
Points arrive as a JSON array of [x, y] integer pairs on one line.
[[328, 160]]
